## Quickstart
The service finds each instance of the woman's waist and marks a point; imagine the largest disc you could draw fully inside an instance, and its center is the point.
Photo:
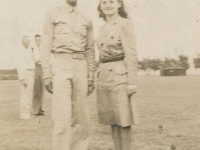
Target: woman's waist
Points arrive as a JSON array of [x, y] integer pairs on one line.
[[116, 67], [112, 58]]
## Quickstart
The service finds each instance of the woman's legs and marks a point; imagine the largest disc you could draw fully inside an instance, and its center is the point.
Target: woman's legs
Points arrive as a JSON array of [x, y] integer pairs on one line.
[[125, 138], [116, 136], [122, 137]]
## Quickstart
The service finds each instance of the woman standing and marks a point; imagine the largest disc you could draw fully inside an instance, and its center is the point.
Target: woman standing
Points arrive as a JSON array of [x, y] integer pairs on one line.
[[117, 80]]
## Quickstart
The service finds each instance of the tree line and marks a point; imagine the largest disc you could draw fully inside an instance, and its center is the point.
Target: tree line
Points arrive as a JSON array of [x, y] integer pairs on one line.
[[158, 64]]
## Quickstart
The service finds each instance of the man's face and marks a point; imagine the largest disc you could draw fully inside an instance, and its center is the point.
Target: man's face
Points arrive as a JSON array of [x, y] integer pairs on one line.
[[72, 2], [38, 41], [25, 41]]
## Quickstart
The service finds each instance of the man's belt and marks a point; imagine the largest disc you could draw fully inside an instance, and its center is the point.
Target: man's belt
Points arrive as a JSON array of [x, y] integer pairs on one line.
[[112, 59], [69, 56]]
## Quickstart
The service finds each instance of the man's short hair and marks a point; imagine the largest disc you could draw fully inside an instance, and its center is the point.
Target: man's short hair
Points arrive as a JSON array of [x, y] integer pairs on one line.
[[24, 36], [37, 35]]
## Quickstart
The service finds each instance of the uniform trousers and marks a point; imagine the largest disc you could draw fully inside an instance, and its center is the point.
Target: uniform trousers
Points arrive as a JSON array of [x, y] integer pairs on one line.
[[27, 95], [69, 107], [38, 91]]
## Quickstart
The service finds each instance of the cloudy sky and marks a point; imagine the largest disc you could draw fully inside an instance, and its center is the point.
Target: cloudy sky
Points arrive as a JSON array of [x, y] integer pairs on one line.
[[164, 28]]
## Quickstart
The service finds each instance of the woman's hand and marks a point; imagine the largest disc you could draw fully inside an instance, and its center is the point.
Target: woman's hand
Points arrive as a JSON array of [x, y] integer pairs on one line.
[[90, 87], [131, 89], [48, 85]]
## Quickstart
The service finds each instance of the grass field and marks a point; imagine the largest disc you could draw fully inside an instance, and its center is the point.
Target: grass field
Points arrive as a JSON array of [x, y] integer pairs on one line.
[[170, 102]]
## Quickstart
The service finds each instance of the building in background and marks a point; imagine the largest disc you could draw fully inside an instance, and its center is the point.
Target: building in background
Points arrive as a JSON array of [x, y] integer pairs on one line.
[[173, 71]]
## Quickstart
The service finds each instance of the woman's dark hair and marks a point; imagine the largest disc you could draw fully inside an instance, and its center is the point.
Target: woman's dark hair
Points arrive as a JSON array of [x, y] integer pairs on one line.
[[121, 11]]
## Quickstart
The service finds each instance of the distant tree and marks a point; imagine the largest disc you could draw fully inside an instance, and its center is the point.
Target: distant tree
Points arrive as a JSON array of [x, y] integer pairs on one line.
[[184, 61], [155, 64], [143, 65], [197, 62], [170, 62]]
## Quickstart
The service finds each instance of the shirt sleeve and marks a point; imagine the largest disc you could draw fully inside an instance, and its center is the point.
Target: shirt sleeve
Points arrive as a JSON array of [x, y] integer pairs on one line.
[[90, 52], [129, 47], [46, 45], [36, 55], [20, 67]]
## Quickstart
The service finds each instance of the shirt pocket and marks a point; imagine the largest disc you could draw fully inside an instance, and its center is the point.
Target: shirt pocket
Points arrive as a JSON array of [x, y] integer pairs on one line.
[[115, 78], [114, 40], [121, 73], [83, 30], [112, 74], [61, 26]]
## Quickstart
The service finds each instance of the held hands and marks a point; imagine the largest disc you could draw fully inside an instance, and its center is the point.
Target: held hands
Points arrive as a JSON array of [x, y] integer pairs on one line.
[[48, 85], [23, 82], [90, 87], [131, 89]]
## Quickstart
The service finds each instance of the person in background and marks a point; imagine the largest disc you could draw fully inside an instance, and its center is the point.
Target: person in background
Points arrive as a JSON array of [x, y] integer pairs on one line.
[[26, 68], [38, 86], [117, 81], [68, 33]]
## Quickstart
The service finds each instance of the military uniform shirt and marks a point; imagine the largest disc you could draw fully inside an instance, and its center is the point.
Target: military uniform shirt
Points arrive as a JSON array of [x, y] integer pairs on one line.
[[67, 30]]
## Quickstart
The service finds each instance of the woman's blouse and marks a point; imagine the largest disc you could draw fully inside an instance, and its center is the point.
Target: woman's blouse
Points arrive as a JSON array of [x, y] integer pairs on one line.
[[117, 40]]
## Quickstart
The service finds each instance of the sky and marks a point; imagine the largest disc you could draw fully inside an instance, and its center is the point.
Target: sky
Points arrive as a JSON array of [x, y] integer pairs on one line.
[[163, 28]]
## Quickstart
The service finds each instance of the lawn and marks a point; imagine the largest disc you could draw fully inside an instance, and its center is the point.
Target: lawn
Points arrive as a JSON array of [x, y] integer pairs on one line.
[[169, 110]]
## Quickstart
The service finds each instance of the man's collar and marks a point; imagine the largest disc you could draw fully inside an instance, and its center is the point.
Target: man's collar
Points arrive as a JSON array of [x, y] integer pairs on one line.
[[70, 8]]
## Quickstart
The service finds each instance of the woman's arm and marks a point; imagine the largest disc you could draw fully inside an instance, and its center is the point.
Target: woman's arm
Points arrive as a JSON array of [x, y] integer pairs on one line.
[[129, 46]]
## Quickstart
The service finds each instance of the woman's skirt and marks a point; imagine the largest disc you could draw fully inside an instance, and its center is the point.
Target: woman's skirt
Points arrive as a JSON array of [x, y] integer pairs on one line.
[[113, 104]]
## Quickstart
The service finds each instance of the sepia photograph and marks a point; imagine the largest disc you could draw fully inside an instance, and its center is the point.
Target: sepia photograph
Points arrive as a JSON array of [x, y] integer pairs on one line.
[[99, 74]]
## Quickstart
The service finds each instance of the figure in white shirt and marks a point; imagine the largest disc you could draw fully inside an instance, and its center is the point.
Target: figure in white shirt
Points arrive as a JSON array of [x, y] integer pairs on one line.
[[26, 71], [38, 86]]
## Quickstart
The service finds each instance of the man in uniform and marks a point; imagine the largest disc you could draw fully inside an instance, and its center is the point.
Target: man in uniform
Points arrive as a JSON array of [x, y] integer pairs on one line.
[[38, 86], [68, 33], [25, 69]]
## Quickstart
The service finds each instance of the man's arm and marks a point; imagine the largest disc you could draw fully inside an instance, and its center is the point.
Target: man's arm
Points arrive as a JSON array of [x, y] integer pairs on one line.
[[36, 55], [90, 53], [20, 67], [46, 44], [90, 58]]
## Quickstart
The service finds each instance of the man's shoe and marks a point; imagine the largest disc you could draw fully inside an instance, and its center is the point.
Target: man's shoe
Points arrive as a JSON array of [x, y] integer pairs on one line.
[[41, 113], [41, 110]]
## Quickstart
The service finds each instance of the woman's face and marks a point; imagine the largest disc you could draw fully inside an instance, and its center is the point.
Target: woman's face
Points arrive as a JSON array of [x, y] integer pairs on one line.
[[109, 7]]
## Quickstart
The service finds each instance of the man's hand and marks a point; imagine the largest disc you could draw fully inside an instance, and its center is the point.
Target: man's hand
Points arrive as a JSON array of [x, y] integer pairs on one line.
[[48, 85], [23, 82], [90, 87], [131, 89], [97, 74]]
